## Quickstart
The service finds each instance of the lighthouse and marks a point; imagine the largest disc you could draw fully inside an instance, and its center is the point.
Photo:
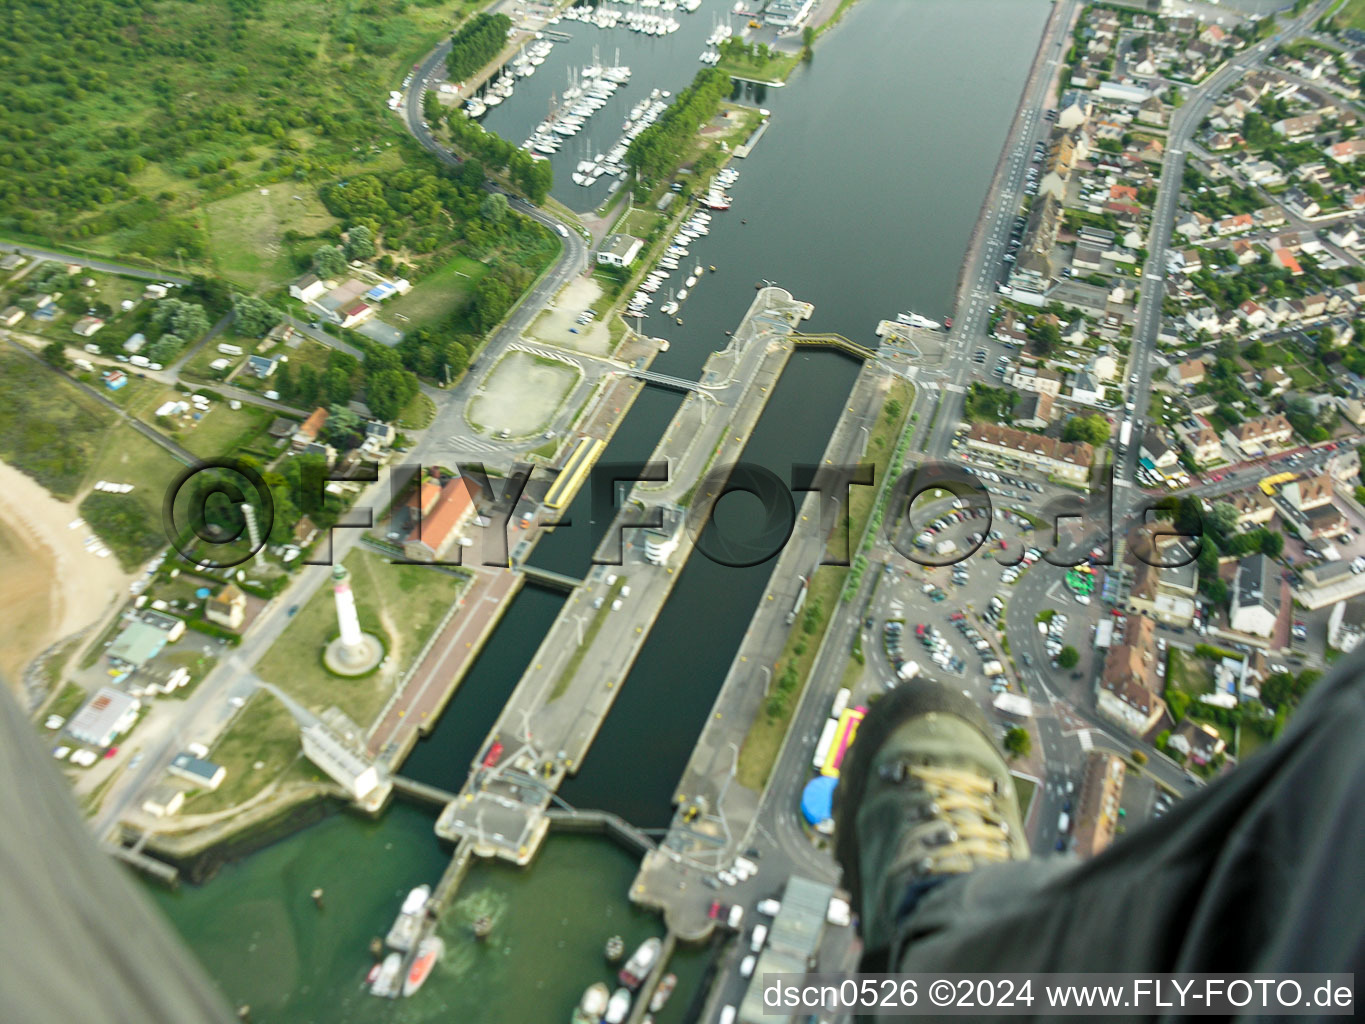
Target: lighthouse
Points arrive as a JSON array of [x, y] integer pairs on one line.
[[353, 652], [347, 619]]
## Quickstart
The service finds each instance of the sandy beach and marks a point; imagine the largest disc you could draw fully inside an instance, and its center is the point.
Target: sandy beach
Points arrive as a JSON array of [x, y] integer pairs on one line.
[[52, 586]]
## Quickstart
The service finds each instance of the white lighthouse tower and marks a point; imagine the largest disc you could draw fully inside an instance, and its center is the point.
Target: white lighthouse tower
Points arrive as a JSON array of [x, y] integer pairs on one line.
[[347, 618], [353, 652]]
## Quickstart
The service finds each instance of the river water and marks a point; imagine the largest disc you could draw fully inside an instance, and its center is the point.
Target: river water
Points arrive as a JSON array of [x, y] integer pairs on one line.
[[860, 198]]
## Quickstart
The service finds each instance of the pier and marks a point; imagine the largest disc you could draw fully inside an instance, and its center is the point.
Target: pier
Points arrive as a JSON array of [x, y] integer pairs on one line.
[[715, 814], [167, 874], [553, 716]]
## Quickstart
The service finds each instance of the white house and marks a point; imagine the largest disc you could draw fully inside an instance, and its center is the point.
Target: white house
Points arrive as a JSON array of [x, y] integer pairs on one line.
[[619, 250]]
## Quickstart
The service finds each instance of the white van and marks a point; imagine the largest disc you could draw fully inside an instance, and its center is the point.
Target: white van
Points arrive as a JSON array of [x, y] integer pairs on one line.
[[759, 937], [727, 1015]]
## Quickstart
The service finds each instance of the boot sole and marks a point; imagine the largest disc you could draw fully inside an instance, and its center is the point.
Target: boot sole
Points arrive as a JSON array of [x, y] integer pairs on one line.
[[906, 701]]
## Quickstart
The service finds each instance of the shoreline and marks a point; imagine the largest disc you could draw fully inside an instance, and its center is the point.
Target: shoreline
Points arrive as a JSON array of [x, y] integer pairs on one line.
[[77, 587]]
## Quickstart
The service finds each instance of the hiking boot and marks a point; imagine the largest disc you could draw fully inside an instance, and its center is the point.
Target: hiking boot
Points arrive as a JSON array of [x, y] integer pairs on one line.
[[923, 794]]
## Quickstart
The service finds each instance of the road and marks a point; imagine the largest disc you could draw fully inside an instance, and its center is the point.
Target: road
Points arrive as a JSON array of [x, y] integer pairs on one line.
[[1185, 121], [972, 318]]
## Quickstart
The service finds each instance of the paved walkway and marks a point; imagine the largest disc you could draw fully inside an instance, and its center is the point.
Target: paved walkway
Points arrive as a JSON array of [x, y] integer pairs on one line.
[[445, 663]]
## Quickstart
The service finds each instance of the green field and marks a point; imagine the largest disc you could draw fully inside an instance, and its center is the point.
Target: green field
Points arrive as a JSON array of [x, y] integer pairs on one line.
[[436, 296], [401, 604], [246, 232], [48, 428], [224, 430], [131, 524], [264, 734], [1351, 14], [151, 111]]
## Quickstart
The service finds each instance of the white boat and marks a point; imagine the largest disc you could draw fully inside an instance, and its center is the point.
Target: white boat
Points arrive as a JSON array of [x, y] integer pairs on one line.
[[915, 320], [385, 984], [617, 1007], [691, 282], [637, 968], [475, 107], [416, 901], [594, 1002], [428, 952]]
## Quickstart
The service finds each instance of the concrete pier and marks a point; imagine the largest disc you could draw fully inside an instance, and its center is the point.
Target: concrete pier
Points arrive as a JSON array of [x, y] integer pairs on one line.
[[715, 814], [553, 716]]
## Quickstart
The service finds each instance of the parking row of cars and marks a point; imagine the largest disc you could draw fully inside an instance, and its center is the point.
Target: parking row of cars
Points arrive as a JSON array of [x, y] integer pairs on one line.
[[940, 651]]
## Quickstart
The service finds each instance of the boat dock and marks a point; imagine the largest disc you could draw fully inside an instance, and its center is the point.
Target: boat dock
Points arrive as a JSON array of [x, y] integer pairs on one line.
[[553, 716], [747, 146]]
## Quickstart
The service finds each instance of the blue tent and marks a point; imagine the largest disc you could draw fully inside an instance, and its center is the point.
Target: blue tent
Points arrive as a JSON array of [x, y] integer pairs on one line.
[[202, 593], [817, 799]]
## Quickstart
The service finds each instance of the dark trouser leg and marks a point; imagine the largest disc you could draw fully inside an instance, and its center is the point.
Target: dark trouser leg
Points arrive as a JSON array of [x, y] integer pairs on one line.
[[1261, 871]]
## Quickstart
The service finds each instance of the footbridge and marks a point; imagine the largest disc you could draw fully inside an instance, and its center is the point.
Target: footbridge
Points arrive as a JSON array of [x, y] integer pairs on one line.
[[637, 840], [835, 341], [550, 578], [422, 791], [676, 383]]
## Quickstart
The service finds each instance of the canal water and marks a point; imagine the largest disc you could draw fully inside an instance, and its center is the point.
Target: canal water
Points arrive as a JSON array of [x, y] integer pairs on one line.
[[860, 198]]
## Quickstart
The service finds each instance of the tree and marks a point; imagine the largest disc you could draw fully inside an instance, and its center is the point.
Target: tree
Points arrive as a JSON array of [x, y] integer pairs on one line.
[[1272, 543], [186, 319], [55, 353], [253, 316], [808, 37], [1068, 657], [494, 208], [342, 425], [1092, 429], [164, 349], [1018, 743], [360, 243], [389, 391], [336, 386], [329, 261], [892, 409]]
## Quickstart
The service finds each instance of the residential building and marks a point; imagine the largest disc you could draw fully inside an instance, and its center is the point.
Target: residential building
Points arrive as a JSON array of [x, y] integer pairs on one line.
[[619, 250], [1033, 410], [310, 428], [1097, 805], [1126, 695], [204, 774], [87, 326], [10, 316], [437, 530], [1187, 374], [308, 287], [1198, 741], [1346, 625], [1308, 492], [1029, 378], [1068, 461], [163, 800], [1085, 389], [1255, 437], [262, 366], [1255, 602], [227, 607]]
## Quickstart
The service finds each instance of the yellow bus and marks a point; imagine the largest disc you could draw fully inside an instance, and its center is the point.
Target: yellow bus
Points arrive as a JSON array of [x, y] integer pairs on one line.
[[575, 471]]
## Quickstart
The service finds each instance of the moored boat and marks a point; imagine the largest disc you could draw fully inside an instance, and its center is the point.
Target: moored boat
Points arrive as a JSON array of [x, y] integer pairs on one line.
[[617, 1007], [661, 994], [428, 952], [637, 967], [593, 1004], [385, 984]]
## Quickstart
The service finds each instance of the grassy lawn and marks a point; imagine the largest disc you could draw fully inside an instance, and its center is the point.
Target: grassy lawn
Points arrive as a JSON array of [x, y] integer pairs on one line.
[[48, 428], [436, 296], [1351, 14], [1302, 377], [246, 232], [1193, 675], [66, 703], [401, 604], [224, 429], [418, 414], [131, 524], [774, 69], [264, 734], [764, 740], [1023, 790], [589, 635]]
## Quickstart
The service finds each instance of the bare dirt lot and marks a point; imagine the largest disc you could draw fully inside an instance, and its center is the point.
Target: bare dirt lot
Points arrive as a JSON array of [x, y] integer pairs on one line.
[[521, 395], [556, 325]]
